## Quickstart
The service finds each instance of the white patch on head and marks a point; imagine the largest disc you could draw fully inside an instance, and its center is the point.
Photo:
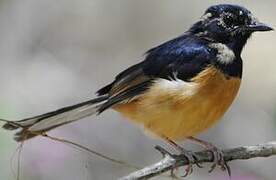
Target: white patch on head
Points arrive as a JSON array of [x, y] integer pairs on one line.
[[240, 13], [253, 18], [221, 21], [175, 86], [225, 55], [204, 33], [205, 17]]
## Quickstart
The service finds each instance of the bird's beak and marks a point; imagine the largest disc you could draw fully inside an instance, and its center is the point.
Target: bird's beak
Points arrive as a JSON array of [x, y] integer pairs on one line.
[[255, 25]]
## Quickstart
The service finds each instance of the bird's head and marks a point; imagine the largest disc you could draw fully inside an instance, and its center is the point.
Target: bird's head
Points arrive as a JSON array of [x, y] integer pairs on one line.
[[228, 24]]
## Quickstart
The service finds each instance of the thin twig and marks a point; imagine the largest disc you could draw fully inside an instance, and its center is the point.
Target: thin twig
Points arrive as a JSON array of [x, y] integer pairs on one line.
[[19, 160], [170, 162], [89, 150]]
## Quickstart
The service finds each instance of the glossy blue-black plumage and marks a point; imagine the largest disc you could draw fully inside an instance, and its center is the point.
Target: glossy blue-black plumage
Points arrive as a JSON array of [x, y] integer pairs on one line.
[[186, 56], [233, 8], [183, 57]]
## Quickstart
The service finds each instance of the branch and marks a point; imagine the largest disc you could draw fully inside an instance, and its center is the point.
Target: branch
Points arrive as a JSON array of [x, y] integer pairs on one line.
[[170, 162]]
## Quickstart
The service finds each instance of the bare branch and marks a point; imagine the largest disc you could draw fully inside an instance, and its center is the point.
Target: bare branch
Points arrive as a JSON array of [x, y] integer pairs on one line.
[[169, 162]]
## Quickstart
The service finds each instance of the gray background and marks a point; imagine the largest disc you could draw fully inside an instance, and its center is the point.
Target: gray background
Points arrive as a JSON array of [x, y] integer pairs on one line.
[[57, 53]]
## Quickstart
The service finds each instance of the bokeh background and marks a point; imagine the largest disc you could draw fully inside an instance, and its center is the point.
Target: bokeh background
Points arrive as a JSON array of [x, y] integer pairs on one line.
[[57, 53]]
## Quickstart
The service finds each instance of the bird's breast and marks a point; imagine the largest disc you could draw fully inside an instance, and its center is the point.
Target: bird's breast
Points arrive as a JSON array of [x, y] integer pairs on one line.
[[178, 109]]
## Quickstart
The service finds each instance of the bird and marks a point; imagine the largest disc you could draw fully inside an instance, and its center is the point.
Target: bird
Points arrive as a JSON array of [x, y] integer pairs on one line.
[[180, 89]]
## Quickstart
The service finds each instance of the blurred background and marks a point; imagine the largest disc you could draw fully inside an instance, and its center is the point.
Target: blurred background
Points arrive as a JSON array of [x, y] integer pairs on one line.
[[57, 53]]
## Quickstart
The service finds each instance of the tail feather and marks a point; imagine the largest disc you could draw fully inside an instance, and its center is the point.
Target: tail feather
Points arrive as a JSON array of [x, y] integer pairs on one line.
[[34, 126]]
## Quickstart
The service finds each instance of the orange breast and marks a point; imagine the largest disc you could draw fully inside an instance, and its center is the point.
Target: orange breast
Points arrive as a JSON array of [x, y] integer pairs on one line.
[[184, 109]]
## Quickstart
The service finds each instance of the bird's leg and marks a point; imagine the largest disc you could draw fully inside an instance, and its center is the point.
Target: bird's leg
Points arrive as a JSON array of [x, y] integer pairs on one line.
[[164, 152], [190, 156], [218, 155]]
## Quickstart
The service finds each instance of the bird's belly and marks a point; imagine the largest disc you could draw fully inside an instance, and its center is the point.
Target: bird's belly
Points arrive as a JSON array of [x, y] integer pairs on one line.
[[177, 115]]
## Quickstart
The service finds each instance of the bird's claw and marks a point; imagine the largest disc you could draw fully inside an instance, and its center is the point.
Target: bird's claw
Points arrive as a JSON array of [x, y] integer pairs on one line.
[[190, 156], [163, 151], [218, 160], [192, 159]]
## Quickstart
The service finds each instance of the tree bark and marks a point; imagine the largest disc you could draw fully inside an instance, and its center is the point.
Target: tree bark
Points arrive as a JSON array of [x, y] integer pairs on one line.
[[170, 162]]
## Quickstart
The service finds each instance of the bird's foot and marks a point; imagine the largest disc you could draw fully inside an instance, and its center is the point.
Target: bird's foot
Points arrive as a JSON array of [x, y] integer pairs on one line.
[[192, 159], [218, 155], [218, 159], [184, 154]]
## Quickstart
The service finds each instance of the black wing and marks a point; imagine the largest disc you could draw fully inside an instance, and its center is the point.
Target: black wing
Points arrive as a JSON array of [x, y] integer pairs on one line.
[[183, 57]]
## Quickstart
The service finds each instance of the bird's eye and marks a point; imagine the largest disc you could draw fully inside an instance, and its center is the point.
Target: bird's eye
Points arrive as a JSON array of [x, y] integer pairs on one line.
[[228, 20]]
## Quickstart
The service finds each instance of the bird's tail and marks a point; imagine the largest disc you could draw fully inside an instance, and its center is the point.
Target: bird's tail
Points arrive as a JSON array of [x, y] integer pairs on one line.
[[31, 127]]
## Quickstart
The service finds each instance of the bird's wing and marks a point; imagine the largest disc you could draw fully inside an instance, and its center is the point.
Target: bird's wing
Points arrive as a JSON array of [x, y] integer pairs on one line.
[[181, 58]]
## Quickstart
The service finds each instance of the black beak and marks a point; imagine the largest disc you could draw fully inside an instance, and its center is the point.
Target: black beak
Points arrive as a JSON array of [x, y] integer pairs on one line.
[[258, 26]]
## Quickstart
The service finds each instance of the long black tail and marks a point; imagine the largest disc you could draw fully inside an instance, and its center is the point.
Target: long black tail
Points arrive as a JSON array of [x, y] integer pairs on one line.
[[37, 125]]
